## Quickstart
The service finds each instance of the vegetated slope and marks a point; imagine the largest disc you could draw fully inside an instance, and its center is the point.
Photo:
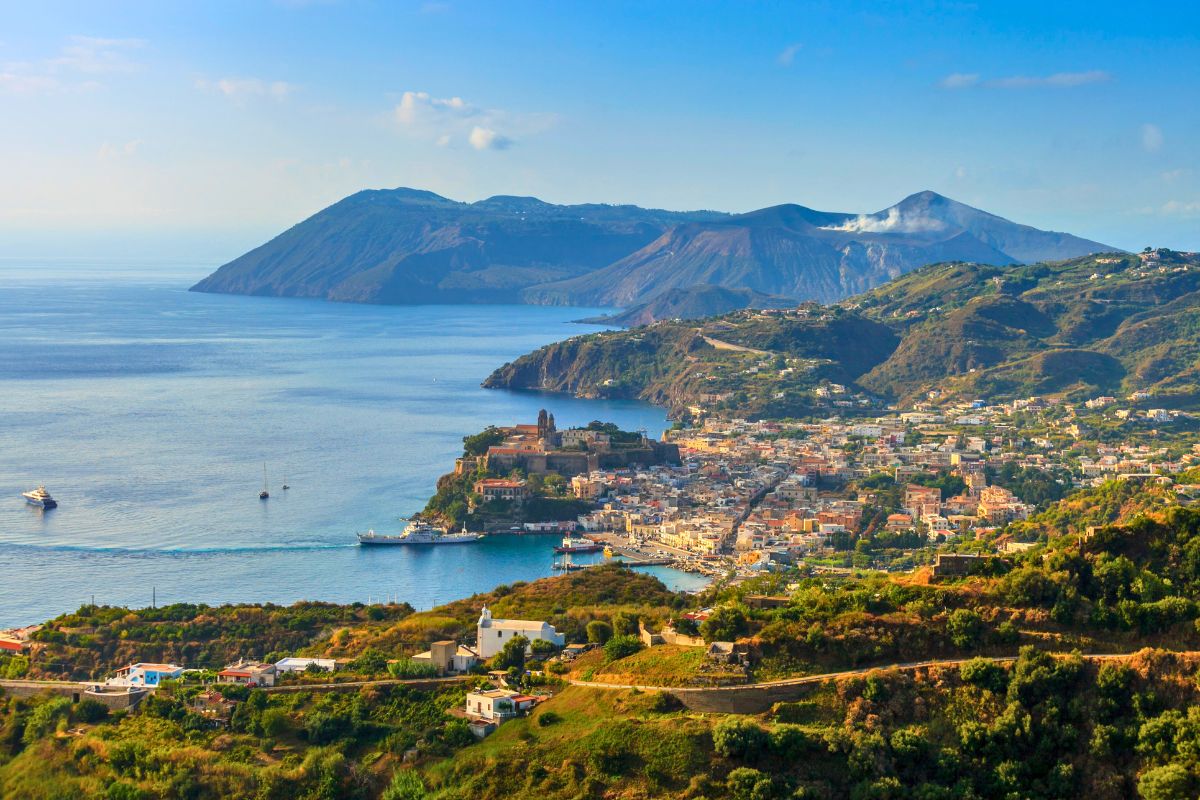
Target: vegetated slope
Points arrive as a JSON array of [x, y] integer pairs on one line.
[[756, 364], [1109, 323], [694, 302], [1101, 324], [804, 254], [96, 640], [410, 246]]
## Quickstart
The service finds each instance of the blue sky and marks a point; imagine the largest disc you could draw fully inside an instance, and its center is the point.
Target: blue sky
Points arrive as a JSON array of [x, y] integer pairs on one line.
[[195, 131]]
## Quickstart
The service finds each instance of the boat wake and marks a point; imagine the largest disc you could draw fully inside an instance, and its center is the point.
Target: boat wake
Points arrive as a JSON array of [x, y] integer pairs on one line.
[[176, 551]]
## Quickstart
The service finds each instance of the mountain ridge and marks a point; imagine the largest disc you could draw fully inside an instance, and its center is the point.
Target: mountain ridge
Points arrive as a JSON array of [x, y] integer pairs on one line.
[[403, 246]]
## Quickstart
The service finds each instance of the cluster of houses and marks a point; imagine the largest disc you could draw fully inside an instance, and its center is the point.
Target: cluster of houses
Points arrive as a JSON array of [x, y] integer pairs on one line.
[[756, 494]]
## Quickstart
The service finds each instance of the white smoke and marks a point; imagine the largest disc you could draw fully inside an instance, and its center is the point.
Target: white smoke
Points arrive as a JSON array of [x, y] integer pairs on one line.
[[890, 222]]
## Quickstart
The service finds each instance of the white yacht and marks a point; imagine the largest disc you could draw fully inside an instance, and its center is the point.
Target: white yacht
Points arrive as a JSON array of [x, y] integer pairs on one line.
[[419, 532], [40, 497]]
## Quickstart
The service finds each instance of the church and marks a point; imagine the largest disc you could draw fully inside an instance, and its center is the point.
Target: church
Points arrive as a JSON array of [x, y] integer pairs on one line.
[[493, 634]]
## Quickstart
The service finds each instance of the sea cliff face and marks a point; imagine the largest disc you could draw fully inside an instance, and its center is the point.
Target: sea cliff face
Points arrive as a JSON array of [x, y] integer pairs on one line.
[[643, 367]]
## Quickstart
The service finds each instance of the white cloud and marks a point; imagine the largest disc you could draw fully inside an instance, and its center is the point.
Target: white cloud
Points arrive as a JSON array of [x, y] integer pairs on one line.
[[892, 222], [444, 121], [1180, 208], [1152, 138], [487, 139], [788, 54], [417, 107], [15, 81], [960, 80], [80, 56], [1058, 80], [92, 54], [109, 151], [241, 90]]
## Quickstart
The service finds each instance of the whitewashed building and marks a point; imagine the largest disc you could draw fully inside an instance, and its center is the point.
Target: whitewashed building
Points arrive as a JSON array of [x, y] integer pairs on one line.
[[493, 634]]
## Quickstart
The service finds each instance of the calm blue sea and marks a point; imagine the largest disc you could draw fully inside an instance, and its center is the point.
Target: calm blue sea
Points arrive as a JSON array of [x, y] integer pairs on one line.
[[149, 412]]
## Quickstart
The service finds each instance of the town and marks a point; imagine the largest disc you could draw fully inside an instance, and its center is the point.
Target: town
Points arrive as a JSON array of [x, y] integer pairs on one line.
[[731, 495]]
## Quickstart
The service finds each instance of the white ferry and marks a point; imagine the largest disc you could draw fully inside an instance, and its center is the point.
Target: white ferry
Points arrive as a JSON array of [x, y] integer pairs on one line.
[[577, 544], [40, 497], [419, 532]]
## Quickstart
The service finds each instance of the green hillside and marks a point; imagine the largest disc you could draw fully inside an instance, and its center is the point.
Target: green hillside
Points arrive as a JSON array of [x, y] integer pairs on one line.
[[1103, 324]]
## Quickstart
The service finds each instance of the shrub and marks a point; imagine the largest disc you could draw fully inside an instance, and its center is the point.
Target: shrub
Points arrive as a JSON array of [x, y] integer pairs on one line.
[[45, 718], [90, 711], [739, 738], [548, 718], [407, 668], [745, 783], [405, 785], [622, 646], [984, 673], [599, 631]]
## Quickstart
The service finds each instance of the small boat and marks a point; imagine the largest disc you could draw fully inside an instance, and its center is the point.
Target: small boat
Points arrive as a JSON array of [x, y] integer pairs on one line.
[[264, 494], [40, 497], [420, 532], [577, 544], [285, 485], [608, 551], [566, 565]]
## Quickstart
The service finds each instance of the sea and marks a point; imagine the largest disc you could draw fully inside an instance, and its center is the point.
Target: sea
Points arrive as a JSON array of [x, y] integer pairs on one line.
[[150, 413]]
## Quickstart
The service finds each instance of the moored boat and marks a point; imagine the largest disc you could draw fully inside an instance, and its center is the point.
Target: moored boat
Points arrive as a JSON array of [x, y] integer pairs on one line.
[[577, 544]]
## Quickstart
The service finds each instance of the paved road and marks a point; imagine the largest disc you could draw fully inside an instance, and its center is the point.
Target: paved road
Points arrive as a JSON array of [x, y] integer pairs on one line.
[[824, 676], [720, 345]]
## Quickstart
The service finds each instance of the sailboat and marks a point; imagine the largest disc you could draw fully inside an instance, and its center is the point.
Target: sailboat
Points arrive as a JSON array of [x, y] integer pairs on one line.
[[285, 484], [264, 494]]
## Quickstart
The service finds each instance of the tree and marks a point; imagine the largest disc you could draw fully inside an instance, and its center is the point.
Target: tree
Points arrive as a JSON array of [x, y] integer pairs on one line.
[[965, 628], [512, 654], [1166, 783], [625, 623], [599, 631], [622, 647], [984, 673], [542, 648], [724, 624], [90, 711], [274, 723]]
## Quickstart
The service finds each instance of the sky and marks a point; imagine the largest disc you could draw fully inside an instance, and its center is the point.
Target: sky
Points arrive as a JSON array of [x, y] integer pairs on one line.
[[195, 131]]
